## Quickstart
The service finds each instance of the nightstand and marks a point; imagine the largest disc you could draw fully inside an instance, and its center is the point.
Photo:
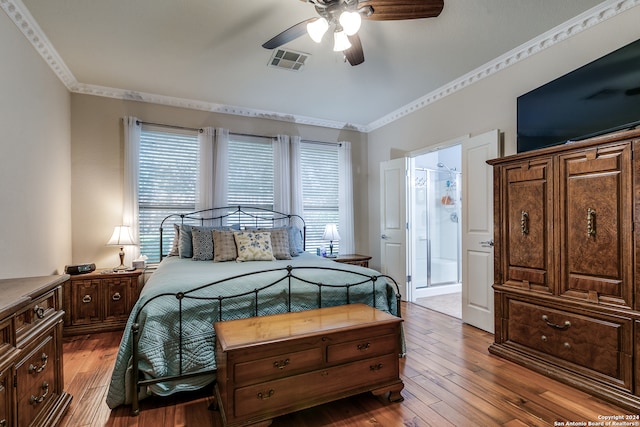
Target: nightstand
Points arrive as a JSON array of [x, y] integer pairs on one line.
[[99, 301], [354, 259]]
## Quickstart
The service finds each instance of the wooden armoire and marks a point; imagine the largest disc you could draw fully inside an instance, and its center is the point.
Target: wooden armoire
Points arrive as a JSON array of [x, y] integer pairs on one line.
[[567, 290]]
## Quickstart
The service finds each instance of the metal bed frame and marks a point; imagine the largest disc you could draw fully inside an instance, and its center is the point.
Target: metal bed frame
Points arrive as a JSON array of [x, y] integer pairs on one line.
[[258, 217]]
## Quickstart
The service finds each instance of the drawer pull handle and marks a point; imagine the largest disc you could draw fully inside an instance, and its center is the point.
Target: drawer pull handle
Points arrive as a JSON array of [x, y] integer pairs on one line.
[[544, 338], [365, 346], [566, 324], [266, 395], [591, 222], [86, 299], [567, 345], [376, 367], [35, 400], [281, 364], [116, 296], [39, 311], [3, 423], [33, 369], [524, 222]]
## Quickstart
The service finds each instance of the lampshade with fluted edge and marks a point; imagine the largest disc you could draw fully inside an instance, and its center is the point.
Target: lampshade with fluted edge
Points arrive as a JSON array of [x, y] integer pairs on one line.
[[121, 236]]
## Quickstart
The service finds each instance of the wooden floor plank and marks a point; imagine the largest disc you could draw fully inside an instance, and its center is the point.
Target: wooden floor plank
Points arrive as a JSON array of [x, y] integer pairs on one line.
[[450, 380]]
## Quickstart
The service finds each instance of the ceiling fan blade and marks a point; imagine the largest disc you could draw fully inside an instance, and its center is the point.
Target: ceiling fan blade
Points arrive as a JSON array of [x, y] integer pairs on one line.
[[354, 54], [288, 35], [391, 10]]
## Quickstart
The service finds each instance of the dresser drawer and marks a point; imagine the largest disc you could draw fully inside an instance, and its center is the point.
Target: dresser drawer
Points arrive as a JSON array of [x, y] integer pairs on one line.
[[37, 312], [6, 376], [7, 338], [85, 297], [599, 344], [36, 378], [278, 366], [360, 348], [274, 396]]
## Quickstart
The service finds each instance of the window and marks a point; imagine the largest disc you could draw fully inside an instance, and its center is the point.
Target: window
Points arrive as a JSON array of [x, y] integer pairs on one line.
[[167, 183], [250, 171], [169, 171], [250, 176], [320, 183]]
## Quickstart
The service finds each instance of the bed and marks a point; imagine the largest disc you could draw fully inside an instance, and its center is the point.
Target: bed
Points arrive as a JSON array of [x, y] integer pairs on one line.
[[168, 345]]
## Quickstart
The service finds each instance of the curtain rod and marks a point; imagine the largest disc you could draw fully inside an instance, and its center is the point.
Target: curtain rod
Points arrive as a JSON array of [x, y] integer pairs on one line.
[[140, 122], [321, 142], [252, 135]]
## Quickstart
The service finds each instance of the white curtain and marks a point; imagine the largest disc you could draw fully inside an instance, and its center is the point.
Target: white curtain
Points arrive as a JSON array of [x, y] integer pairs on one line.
[[205, 183], [132, 128], [281, 175], [297, 206], [213, 168], [221, 170], [345, 198]]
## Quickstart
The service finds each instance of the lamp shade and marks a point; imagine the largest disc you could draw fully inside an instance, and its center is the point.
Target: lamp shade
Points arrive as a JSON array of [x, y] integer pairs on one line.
[[317, 28], [340, 41], [350, 22], [121, 236], [331, 233]]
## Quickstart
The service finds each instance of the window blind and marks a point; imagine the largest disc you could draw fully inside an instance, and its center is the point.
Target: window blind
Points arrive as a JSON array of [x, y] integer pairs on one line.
[[168, 170], [320, 181], [250, 176]]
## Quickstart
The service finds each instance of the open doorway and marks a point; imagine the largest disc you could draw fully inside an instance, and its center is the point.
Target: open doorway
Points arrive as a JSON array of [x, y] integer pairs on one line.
[[435, 235]]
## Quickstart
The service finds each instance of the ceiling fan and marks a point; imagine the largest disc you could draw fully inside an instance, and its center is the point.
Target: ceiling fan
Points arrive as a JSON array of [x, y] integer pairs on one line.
[[345, 17]]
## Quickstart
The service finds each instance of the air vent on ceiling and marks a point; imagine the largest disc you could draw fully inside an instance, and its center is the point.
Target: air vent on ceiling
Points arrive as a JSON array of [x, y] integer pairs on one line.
[[288, 59]]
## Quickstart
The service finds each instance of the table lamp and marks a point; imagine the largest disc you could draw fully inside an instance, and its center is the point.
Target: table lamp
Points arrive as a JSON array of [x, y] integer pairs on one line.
[[121, 236], [331, 234]]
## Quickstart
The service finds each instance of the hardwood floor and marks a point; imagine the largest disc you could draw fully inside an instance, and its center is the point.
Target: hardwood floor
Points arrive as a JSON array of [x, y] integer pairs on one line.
[[450, 380]]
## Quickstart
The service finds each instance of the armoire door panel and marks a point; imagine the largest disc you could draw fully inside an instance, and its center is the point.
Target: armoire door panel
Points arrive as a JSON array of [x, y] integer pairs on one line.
[[596, 232], [528, 238]]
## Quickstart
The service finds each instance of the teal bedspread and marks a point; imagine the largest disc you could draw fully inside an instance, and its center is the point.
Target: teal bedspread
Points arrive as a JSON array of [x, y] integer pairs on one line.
[[157, 313]]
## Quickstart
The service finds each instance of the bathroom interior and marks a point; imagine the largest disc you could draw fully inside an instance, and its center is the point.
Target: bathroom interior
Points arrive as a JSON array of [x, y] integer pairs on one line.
[[435, 232]]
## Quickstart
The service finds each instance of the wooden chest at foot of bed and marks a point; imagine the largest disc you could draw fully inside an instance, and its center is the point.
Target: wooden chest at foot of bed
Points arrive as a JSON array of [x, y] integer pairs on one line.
[[273, 365]]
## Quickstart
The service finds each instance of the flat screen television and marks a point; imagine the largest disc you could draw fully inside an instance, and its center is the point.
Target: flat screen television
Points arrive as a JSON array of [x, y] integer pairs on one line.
[[600, 97]]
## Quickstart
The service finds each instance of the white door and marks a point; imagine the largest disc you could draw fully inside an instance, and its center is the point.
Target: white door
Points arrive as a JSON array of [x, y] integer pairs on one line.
[[393, 222], [477, 230]]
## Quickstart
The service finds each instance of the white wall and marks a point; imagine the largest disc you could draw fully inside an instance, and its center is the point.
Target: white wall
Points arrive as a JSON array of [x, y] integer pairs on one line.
[[35, 173], [488, 104]]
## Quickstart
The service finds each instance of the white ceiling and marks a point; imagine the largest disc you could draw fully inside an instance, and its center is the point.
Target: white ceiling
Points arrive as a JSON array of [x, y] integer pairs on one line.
[[207, 54]]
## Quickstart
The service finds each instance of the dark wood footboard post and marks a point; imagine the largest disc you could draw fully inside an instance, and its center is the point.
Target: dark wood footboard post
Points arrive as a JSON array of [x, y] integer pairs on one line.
[[135, 337]]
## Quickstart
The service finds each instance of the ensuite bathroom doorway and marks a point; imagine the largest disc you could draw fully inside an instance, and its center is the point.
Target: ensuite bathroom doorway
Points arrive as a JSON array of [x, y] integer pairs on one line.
[[435, 232]]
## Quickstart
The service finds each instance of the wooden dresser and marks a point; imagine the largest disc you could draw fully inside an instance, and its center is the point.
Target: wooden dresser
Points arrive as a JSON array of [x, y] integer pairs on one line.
[[31, 378], [273, 365], [566, 286], [97, 301]]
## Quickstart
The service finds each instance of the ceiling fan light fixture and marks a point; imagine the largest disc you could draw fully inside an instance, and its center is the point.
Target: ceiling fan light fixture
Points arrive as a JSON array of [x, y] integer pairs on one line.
[[350, 22], [340, 41], [317, 28]]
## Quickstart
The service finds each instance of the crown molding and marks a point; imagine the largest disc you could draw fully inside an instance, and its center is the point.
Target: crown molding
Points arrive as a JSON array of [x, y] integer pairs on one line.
[[208, 106], [570, 28], [21, 17]]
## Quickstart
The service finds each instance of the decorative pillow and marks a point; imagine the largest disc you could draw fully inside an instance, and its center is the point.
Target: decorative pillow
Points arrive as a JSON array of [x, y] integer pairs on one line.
[[176, 239], [224, 246], [279, 242], [296, 244], [253, 246], [185, 244], [202, 243]]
